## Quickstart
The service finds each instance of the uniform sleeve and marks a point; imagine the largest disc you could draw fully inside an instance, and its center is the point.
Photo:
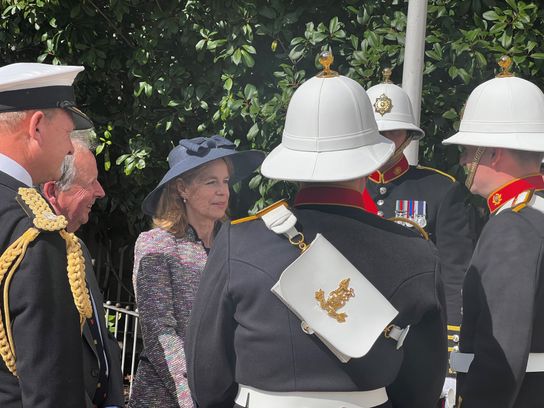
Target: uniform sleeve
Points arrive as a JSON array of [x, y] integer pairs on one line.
[[502, 279], [46, 328], [454, 238], [163, 345], [210, 350], [421, 376]]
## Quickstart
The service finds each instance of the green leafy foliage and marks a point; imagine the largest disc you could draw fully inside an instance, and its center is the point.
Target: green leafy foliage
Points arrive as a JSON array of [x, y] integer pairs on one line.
[[159, 71]]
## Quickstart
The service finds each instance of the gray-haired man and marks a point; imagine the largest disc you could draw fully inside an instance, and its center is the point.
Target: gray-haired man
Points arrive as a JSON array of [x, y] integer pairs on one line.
[[73, 196]]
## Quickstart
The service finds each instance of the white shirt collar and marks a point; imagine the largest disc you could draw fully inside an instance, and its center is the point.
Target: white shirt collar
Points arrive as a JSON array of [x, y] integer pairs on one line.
[[15, 170]]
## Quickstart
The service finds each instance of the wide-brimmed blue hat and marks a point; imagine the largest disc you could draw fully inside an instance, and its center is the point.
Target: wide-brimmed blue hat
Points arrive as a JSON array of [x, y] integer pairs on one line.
[[191, 153]]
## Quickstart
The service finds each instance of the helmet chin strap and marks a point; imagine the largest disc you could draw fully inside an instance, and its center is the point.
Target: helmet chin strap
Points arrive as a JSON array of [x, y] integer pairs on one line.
[[473, 166], [398, 152]]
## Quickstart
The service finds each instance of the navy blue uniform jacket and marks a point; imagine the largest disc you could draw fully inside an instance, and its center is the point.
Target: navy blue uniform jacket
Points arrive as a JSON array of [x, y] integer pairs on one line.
[[240, 333], [45, 321], [503, 313]]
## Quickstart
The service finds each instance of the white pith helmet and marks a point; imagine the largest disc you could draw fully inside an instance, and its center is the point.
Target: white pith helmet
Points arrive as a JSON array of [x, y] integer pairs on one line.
[[506, 112], [330, 133], [392, 107]]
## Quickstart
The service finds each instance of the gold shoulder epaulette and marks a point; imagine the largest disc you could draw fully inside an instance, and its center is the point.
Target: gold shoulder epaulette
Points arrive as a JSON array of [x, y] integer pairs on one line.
[[412, 223], [260, 213], [521, 200], [437, 171], [36, 206], [44, 220]]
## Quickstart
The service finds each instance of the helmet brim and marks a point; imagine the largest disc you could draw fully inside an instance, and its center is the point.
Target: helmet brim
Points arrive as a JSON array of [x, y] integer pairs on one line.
[[388, 125], [531, 142], [329, 166]]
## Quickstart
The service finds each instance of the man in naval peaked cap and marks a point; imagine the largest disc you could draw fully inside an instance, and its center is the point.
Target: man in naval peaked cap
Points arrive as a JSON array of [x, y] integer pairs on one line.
[[500, 363], [44, 299], [309, 307]]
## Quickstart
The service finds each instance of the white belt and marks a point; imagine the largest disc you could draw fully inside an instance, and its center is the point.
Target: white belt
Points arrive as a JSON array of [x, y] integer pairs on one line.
[[461, 362], [250, 397]]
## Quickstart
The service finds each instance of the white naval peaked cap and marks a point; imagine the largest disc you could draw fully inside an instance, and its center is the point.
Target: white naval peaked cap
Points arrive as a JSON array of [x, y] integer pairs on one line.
[[30, 85], [392, 107], [330, 133], [506, 112]]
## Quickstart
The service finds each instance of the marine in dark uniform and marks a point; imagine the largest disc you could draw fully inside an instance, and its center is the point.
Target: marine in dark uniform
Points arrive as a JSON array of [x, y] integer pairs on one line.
[[43, 295], [246, 348], [439, 204], [431, 198], [501, 358]]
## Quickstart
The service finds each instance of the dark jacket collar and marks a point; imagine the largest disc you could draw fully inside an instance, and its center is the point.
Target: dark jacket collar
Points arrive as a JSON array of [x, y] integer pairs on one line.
[[10, 182]]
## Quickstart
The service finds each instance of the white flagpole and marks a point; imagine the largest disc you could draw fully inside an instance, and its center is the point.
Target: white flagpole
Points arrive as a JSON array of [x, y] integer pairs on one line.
[[412, 74]]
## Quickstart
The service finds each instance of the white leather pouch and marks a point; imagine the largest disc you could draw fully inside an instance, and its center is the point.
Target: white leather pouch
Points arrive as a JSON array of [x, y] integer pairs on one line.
[[359, 313]]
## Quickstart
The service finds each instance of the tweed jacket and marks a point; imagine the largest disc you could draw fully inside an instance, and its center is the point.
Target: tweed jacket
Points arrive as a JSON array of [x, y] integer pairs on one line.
[[166, 277]]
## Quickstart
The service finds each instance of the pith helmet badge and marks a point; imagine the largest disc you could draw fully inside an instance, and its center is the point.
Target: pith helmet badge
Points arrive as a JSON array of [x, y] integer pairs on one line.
[[383, 104]]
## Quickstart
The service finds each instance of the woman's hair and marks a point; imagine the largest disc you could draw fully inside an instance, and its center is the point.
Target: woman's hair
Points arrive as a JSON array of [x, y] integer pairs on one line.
[[171, 213]]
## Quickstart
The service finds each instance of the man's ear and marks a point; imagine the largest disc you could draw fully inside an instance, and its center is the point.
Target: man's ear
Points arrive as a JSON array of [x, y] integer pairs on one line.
[[496, 155], [49, 192], [35, 126]]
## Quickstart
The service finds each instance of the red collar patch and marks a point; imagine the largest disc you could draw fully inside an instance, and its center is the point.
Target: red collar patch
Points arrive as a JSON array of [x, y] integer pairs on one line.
[[392, 173], [336, 196], [510, 190]]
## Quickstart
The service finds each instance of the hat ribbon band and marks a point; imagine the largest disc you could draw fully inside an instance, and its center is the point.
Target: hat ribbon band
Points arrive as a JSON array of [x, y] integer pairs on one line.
[[59, 96]]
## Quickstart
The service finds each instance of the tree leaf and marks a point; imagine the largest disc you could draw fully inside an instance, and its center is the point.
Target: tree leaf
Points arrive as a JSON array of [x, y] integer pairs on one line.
[[491, 15], [248, 59], [237, 56], [253, 131]]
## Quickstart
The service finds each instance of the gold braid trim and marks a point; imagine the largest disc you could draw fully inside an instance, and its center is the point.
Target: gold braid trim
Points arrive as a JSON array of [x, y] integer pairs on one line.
[[13, 255], [521, 205], [44, 220], [76, 276]]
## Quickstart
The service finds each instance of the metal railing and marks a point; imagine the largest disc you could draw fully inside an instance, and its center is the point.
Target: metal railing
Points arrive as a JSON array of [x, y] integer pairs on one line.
[[123, 324]]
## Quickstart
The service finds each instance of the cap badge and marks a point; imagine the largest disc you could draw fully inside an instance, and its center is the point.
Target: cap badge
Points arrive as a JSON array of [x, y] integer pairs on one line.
[[336, 300], [383, 104], [497, 198]]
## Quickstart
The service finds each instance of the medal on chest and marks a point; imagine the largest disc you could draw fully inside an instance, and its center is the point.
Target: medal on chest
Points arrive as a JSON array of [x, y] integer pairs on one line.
[[415, 210]]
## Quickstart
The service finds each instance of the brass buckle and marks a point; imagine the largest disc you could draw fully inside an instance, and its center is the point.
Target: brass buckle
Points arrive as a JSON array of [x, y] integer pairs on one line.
[[300, 242]]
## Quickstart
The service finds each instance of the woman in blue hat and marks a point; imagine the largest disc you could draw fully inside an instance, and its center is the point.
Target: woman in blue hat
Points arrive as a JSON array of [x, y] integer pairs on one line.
[[186, 207]]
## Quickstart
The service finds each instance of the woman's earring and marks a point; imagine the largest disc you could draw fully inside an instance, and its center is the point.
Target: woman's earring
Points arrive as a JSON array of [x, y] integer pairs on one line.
[[184, 200]]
